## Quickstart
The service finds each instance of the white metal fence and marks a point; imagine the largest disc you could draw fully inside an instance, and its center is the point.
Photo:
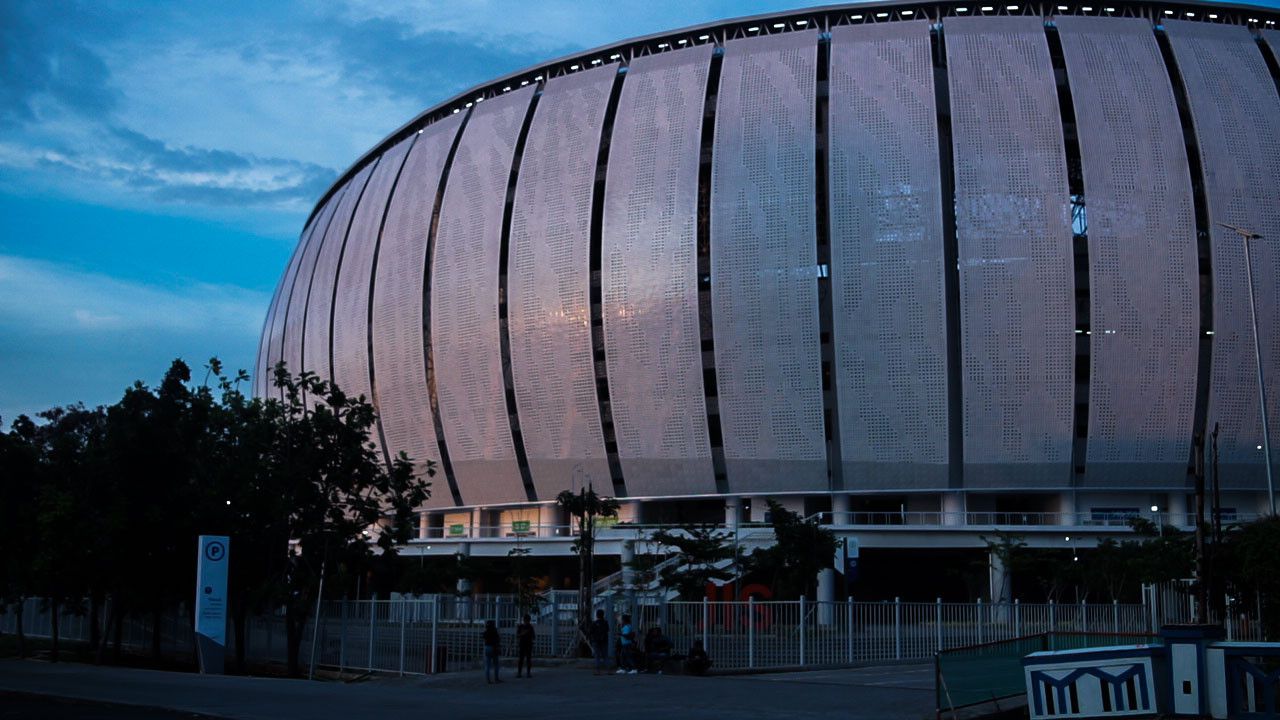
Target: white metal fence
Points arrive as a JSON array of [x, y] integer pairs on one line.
[[443, 632]]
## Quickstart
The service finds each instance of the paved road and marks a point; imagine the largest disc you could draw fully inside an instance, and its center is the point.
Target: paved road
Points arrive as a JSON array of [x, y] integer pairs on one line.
[[568, 693], [42, 707]]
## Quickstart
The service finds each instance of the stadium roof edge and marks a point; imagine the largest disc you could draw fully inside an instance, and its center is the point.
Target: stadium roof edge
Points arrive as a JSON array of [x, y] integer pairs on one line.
[[548, 67]]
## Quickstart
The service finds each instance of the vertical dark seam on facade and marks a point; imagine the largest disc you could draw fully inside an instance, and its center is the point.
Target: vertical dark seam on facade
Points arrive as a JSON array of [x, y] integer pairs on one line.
[[311, 278], [373, 279], [1080, 257], [1271, 56], [715, 435], [596, 300], [306, 305], [1203, 248], [342, 251], [826, 302], [428, 263], [504, 332], [950, 261]]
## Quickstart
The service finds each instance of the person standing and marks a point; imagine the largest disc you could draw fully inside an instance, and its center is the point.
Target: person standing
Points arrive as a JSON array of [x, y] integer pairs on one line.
[[598, 634], [627, 647], [524, 647], [492, 651]]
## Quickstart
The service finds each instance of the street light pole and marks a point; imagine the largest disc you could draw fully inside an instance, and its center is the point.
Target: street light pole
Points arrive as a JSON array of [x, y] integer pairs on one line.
[[1246, 236]]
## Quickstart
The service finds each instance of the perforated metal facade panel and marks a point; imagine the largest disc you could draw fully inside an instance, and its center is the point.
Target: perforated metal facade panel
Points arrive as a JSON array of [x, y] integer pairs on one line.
[[464, 304], [1143, 277], [649, 276], [1236, 113], [273, 331], [764, 266], [351, 302], [1013, 230], [316, 324], [886, 242], [548, 279], [261, 370], [398, 360], [293, 309]]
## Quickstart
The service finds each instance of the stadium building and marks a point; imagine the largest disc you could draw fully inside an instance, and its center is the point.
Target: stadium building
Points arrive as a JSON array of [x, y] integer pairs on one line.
[[930, 269]]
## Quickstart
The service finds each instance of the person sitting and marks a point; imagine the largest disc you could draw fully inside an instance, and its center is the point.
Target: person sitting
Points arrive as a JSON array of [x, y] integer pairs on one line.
[[657, 649], [697, 663]]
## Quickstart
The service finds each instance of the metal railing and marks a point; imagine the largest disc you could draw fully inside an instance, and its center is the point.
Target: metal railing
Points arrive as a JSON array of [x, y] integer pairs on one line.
[[438, 632]]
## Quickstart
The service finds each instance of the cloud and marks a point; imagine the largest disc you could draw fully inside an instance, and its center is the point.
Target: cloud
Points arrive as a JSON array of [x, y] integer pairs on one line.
[[56, 298], [67, 335], [44, 67], [87, 154]]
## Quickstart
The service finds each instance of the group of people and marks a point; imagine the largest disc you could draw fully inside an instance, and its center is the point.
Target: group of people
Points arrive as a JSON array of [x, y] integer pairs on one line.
[[632, 657], [493, 650]]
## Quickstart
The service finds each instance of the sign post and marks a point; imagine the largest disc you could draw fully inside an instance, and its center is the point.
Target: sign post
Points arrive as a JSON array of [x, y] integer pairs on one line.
[[211, 602]]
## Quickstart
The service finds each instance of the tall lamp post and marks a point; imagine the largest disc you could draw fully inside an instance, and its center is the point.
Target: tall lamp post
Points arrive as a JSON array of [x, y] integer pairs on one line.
[[1246, 236]]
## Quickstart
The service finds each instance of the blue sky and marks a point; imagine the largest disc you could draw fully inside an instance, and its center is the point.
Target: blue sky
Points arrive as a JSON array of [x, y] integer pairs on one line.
[[157, 159]]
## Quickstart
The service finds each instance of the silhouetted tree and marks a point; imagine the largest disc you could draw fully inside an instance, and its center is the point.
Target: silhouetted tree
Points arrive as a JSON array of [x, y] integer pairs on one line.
[[703, 551], [801, 550]]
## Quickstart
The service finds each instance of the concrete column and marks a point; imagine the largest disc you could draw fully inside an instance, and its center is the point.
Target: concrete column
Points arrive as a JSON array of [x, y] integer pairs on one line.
[[422, 526], [631, 511], [477, 522], [953, 508], [840, 509], [826, 596], [732, 512], [1067, 508], [1178, 508], [1000, 578], [549, 520], [464, 584], [628, 562]]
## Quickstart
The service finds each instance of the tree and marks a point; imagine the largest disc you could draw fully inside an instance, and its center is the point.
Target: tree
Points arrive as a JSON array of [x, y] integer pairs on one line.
[[67, 547], [1113, 567], [801, 550], [703, 551], [1253, 563], [1010, 551], [522, 581], [333, 494], [1161, 553], [19, 482], [586, 506]]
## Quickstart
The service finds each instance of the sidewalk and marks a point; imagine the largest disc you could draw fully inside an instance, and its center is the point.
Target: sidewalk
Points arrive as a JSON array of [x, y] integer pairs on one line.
[[903, 691]]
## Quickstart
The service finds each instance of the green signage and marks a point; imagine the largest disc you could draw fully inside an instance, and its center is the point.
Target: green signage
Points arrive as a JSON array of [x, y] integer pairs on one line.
[[458, 529], [520, 527]]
